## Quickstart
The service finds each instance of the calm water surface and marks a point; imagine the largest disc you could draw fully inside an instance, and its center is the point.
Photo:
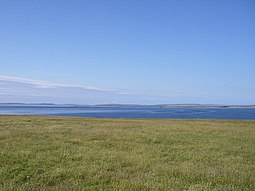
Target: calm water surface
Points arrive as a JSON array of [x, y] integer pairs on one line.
[[132, 112]]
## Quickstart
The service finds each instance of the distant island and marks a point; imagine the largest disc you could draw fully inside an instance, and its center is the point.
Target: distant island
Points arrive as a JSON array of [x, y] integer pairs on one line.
[[205, 106], [129, 105], [14, 103], [181, 105], [117, 105]]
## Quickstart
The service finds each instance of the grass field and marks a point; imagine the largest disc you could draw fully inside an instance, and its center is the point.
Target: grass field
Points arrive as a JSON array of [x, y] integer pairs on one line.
[[54, 153]]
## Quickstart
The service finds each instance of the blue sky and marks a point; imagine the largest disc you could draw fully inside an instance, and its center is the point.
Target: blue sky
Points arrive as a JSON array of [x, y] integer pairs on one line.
[[145, 51]]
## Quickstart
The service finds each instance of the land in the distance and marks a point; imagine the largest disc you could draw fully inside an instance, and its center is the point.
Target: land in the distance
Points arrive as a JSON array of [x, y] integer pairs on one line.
[[57, 153], [205, 106], [183, 105], [123, 105]]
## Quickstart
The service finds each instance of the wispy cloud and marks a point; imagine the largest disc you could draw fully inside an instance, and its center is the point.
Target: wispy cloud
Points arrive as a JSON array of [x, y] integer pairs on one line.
[[19, 87], [42, 83], [121, 91]]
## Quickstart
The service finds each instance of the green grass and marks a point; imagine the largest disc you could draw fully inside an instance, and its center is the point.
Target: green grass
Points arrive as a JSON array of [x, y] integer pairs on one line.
[[54, 153]]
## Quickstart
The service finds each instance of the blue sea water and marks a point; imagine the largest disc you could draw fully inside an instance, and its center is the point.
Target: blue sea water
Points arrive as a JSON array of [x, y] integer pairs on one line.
[[130, 112]]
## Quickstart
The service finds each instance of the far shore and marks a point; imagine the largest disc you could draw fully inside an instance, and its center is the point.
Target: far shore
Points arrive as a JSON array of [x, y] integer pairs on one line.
[[207, 106], [129, 105]]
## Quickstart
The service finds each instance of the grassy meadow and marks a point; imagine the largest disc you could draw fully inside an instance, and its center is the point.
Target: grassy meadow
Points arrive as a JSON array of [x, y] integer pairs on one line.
[[57, 153]]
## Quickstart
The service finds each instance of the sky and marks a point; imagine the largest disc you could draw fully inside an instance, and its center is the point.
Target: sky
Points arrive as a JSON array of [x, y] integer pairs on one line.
[[141, 52]]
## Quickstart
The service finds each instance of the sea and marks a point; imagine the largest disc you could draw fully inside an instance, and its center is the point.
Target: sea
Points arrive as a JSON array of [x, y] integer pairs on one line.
[[128, 112]]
